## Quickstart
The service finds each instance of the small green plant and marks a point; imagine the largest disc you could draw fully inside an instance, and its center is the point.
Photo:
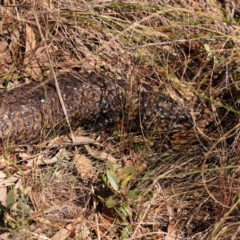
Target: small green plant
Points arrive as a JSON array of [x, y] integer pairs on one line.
[[17, 208], [117, 184]]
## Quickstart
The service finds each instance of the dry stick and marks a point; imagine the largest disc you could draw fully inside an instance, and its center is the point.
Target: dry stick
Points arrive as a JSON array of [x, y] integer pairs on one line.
[[96, 215], [55, 78], [184, 40]]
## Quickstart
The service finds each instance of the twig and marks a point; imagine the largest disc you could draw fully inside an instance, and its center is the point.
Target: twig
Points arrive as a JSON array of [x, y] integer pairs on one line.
[[170, 42], [55, 78]]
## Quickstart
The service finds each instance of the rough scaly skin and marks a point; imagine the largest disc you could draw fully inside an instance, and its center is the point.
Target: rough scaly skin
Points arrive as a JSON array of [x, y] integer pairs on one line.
[[31, 113]]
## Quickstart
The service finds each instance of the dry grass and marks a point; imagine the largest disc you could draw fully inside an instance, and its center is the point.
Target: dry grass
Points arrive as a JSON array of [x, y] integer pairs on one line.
[[186, 48]]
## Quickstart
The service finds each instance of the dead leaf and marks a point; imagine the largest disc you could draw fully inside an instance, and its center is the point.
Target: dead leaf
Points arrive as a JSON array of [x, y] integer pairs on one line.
[[100, 155], [30, 40], [24, 155], [80, 140], [5, 57], [172, 231], [34, 63], [83, 231], [3, 190], [62, 234], [42, 159], [83, 165], [47, 222], [106, 221], [14, 45], [3, 163], [3, 45]]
